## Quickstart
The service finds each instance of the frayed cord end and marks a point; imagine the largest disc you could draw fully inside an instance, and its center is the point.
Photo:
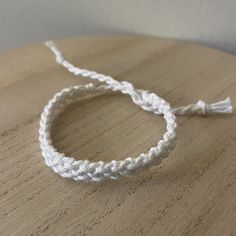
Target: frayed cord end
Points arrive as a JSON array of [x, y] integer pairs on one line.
[[224, 106]]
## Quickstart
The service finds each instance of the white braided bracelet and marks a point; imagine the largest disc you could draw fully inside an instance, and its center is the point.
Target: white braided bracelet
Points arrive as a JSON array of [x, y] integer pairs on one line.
[[97, 171]]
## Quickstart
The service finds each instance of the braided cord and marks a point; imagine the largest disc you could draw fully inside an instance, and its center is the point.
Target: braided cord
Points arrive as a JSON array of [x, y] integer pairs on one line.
[[97, 171]]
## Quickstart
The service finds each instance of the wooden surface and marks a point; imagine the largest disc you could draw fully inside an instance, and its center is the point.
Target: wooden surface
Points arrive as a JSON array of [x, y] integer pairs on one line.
[[191, 193]]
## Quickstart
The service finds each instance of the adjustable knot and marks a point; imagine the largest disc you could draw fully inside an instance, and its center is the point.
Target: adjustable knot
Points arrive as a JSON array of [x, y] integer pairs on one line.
[[149, 101], [142, 98]]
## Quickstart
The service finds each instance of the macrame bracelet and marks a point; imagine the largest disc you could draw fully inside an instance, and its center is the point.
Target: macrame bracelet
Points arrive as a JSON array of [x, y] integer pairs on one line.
[[97, 171]]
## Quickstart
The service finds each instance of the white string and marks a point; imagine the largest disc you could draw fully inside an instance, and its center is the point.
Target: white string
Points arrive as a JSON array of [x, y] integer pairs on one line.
[[96, 171]]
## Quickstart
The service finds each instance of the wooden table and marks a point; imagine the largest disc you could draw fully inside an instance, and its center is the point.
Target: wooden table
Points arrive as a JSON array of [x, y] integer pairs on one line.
[[192, 193]]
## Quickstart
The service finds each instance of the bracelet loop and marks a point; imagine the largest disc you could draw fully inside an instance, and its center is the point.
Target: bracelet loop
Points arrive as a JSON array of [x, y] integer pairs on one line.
[[96, 171]]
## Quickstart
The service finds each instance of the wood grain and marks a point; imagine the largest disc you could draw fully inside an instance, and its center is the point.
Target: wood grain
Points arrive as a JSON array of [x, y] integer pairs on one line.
[[191, 193]]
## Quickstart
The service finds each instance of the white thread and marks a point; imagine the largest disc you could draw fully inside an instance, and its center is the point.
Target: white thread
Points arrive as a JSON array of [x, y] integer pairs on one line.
[[96, 171]]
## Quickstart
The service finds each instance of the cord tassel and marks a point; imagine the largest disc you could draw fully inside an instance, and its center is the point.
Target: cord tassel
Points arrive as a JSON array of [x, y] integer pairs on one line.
[[224, 106]]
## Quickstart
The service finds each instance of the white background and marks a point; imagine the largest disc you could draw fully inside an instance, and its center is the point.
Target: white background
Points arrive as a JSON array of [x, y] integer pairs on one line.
[[208, 22]]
